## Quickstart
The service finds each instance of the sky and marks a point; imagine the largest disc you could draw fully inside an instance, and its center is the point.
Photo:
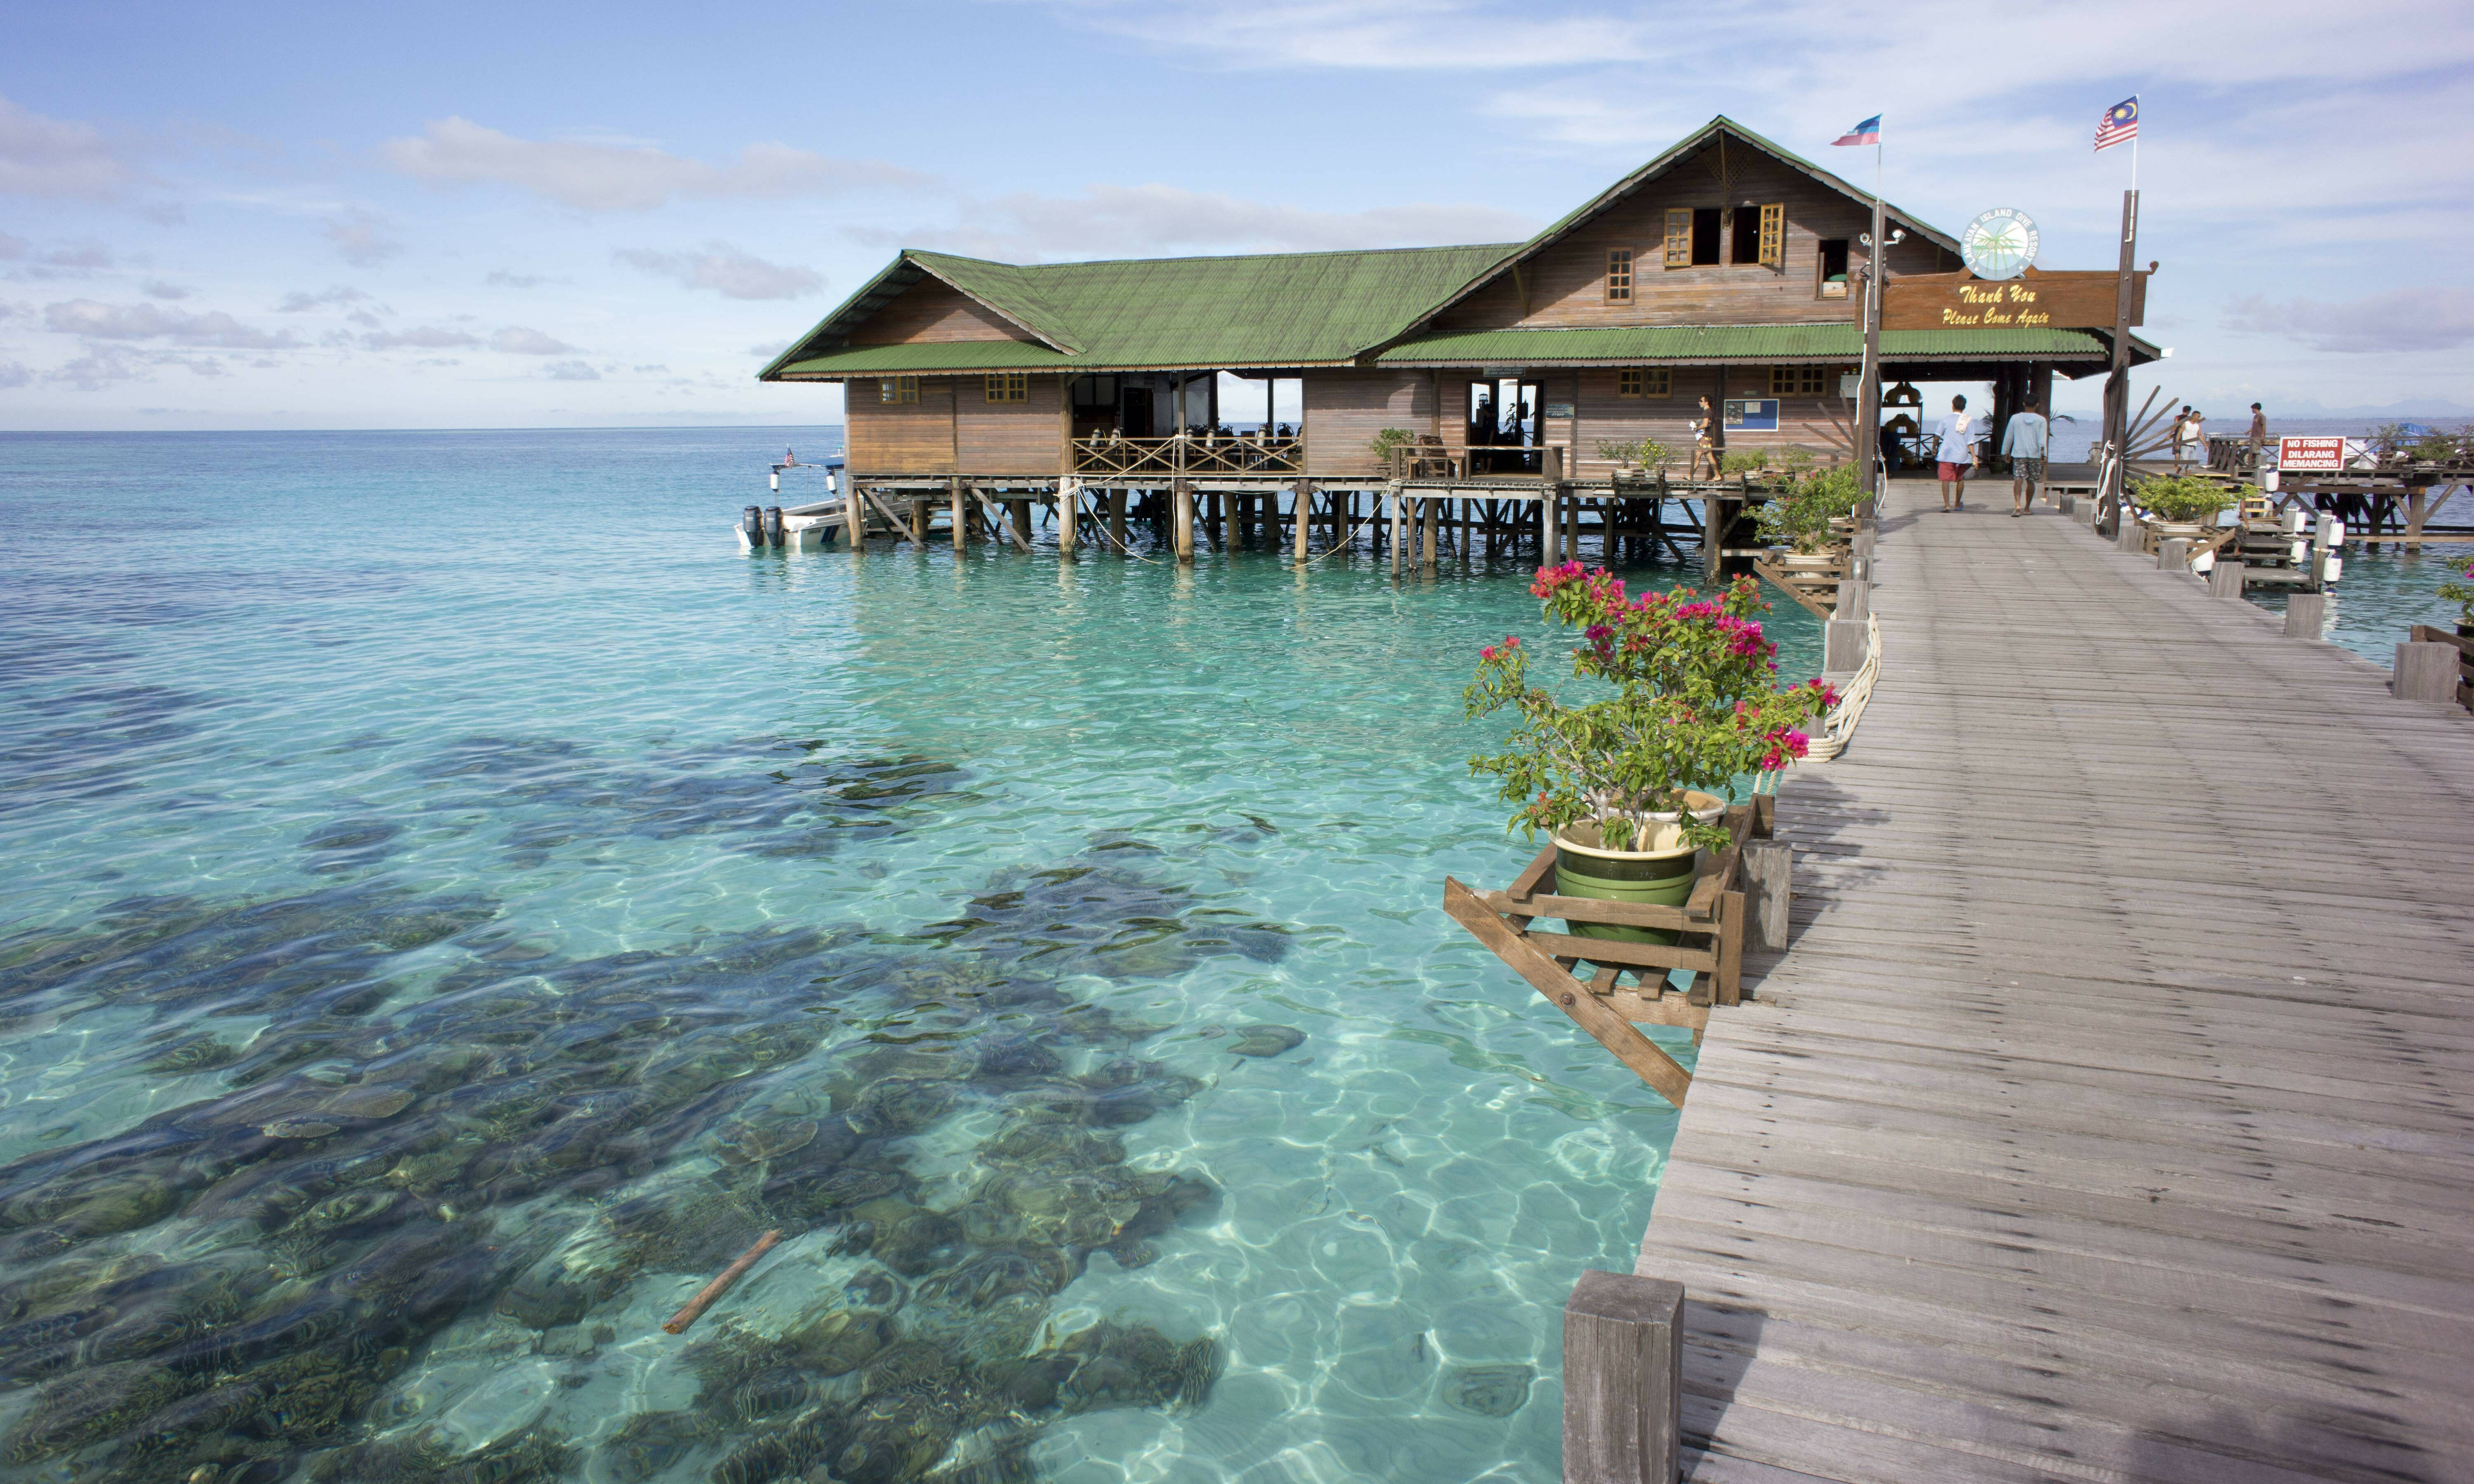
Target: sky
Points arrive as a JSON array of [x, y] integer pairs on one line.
[[448, 215]]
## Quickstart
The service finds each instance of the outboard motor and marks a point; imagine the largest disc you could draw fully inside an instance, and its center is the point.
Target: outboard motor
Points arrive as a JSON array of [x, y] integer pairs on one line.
[[751, 527], [772, 525]]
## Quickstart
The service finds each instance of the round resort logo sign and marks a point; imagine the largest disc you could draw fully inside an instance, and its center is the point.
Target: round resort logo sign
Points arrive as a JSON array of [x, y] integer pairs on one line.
[[1998, 244]]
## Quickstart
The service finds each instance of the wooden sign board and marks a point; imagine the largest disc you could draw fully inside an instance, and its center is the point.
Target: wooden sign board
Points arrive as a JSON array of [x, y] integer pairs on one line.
[[2032, 301]]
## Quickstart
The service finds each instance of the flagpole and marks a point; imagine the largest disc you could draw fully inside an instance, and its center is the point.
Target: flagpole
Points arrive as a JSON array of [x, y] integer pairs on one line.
[[1868, 391]]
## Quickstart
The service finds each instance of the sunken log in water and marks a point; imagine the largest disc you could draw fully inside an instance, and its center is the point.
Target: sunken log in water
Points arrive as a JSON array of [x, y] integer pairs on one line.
[[412, 1122]]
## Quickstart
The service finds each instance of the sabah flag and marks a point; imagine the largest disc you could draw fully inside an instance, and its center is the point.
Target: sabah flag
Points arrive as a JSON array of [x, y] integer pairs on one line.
[[1868, 132], [2119, 123]]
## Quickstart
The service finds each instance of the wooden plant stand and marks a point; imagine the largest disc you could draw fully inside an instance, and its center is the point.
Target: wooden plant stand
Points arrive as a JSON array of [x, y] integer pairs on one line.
[[1711, 926]]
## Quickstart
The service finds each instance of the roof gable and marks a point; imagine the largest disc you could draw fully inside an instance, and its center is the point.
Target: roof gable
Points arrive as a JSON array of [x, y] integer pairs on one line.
[[1720, 130]]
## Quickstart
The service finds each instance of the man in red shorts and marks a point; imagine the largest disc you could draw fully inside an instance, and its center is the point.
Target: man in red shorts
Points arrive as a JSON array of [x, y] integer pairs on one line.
[[1957, 450]]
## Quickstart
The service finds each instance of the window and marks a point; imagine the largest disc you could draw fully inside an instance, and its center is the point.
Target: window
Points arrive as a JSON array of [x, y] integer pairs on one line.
[[1801, 380], [1774, 235], [1833, 283], [1705, 235], [1009, 387], [1679, 237], [1619, 276], [1644, 381], [1747, 246], [898, 389]]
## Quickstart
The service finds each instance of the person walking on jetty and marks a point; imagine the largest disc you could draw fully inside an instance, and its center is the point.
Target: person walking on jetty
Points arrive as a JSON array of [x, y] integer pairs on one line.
[[2258, 433], [2023, 443], [1954, 442], [1705, 442]]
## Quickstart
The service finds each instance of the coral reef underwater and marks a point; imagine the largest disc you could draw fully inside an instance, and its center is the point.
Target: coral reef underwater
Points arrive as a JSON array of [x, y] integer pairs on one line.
[[415, 1120]]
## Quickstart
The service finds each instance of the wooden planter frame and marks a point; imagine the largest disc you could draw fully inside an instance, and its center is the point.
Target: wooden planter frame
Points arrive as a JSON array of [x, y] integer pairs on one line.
[[1714, 915]]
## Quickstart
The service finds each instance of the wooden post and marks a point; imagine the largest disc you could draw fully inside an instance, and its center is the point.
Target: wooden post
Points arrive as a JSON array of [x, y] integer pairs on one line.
[[2425, 672], [961, 522], [2173, 555], [1432, 518], [2304, 615], [2416, 507], [1769, 866], [918, 521], [1069, 518], [1398, 522], [1020, 520], [2128, 535], [1183, 496], [1623, 1380], [1842, 646], [1305, 506], [1117, 519], [1227, 521], [854, 515], [2225, 577], [1854, 599], [1711, 563]]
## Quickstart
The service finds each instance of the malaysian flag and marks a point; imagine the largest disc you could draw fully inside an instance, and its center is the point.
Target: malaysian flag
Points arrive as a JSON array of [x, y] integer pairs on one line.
[[2120, 125], [1868, 132]]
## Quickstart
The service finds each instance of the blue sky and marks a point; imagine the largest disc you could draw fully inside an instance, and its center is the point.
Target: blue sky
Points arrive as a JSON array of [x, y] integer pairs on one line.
[[449, 215]]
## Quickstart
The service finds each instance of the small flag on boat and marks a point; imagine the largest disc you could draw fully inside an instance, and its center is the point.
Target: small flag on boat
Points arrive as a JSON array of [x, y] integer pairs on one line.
[[1868, 132], [2120, 125]]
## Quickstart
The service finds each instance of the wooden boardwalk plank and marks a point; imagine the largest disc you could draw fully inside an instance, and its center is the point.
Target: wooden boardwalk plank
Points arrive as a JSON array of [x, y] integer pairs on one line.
[[2111, 1115]]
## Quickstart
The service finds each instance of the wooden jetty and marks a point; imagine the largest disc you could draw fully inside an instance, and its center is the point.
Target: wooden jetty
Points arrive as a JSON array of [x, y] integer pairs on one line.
[[2111, 1113]]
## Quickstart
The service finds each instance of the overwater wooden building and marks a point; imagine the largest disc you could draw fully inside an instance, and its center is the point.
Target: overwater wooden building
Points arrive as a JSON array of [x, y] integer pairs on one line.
[[1722, 268]]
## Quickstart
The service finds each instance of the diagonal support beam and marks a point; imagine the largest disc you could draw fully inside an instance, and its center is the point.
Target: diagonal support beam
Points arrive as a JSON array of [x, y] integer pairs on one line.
[[1666, 1076]]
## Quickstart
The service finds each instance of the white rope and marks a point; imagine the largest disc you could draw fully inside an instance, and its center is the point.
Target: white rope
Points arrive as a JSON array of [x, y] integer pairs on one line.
[[1348, 540], [1838, 727], [1103, 533]]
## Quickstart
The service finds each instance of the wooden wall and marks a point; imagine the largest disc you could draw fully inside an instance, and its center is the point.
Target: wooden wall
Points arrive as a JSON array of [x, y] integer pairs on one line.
[[1010, 437], [1344, 409], [932, 312], [954, 429], [1606, 417], [1565, 284]]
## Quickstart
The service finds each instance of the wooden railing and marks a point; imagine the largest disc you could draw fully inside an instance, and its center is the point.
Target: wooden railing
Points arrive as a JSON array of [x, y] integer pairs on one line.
[[1188, 453]]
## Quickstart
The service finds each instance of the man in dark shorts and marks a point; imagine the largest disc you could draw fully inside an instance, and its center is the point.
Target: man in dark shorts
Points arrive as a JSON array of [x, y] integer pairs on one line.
[[1956, 443]]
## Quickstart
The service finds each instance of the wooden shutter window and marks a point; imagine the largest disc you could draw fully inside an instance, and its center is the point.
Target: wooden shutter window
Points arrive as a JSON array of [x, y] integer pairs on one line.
[[898, 389], [1679, 237], [1774, 235], [1658, 381], [1007, 387], [1628, 383], [1619, 276]]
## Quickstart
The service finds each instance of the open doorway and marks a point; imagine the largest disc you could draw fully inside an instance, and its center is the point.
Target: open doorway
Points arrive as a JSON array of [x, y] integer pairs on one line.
[[1503, 413]]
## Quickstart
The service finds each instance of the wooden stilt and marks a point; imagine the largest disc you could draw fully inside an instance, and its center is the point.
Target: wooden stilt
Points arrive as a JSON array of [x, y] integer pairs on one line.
[[1304, 498], [1117, 519], [1432, 520], [1181, 497], [1069, 518]]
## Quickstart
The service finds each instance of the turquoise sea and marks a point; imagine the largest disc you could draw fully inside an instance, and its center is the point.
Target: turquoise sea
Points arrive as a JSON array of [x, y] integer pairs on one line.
[[456, 902]]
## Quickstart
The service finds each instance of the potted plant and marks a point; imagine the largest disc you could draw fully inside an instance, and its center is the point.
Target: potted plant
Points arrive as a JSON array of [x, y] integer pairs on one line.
[[2182, 505], [1631, 784], [1806, 517], [1386, 446], [2460, 591]]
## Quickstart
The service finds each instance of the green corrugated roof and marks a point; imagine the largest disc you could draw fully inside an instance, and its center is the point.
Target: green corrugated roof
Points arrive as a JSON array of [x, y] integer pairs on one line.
[[931, 359], [1275, 309], [1699, 343]]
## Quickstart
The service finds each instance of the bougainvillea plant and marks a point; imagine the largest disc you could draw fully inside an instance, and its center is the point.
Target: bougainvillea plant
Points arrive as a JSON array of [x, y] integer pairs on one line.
[[1696, 704], [2460, 590]]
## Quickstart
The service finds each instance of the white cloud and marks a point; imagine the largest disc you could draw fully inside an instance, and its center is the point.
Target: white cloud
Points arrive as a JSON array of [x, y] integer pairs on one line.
[[599, 177], [49, 156], [503, 279], [157, 288], [76, 260], [1378, 35], [1121, 220], [301, 300], [105, 364], [145, 322], [726, 271], [571, 371], [363, 238], [2423, 319], [516, 340], [15, 373], [426, 337]]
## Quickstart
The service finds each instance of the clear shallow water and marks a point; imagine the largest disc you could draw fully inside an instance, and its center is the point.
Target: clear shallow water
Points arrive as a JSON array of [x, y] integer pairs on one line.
[[456, 902], [2386, 590]]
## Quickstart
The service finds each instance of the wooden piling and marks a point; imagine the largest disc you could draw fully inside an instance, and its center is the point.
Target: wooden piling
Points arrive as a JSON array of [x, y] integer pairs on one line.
[[1117, 519], [2425, 672], [1303, 498], [2173, 555], [2305, 612], [962, 521], [2225, 577], [1623, 1380], [1182, 496], [1431, 516]]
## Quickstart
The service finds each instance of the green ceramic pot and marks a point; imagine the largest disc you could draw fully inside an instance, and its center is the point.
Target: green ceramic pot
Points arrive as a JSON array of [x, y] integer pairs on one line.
[[1663, 873]]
